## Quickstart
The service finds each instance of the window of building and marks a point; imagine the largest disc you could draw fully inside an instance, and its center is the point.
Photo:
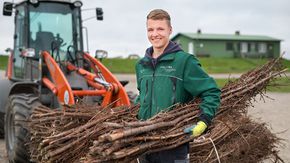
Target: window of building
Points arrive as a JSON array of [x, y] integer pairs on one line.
[[239, 46], [190, 47], [249, 47], [262, 48], [244, 47], [229, 46], [253, 47]]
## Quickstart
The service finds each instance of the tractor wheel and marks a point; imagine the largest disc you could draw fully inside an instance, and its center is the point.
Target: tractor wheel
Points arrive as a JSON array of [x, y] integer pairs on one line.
[[18, 109], [2, 115]]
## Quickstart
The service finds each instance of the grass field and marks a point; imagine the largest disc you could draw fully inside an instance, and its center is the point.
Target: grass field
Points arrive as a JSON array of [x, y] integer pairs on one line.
[[210, 65], [233, 65], [3, 62], [216, 65], [281, 84], [122, 66]]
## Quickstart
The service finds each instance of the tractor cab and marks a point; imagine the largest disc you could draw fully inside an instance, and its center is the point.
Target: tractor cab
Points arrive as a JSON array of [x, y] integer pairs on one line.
[[52, 26], [48, 51]]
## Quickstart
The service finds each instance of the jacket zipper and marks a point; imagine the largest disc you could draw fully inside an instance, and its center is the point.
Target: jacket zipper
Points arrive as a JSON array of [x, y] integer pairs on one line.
[[146, 92], [152, 94], [173, 99]]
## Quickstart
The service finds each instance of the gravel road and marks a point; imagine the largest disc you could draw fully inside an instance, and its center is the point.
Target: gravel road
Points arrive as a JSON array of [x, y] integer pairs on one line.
[[275, 112]]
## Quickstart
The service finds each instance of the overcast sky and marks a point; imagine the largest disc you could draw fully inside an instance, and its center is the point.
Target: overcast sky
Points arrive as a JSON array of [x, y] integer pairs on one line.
[[123, 30]]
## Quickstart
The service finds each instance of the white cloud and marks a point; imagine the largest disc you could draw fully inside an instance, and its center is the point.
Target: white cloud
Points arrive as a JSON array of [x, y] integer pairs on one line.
[[123, 30]]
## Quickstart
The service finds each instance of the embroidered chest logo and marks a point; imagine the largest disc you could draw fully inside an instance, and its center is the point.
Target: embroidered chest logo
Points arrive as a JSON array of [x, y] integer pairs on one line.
[[142, 71], [167, 69]]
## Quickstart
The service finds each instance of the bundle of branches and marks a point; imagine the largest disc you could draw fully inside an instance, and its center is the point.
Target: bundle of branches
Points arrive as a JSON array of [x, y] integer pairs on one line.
[[246, 142], [116, 135], [66, 135], [45, 122]]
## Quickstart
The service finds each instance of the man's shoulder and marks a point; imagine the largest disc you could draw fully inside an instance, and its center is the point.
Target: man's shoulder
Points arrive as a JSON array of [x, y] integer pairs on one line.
[[142, 61], [185, 55]]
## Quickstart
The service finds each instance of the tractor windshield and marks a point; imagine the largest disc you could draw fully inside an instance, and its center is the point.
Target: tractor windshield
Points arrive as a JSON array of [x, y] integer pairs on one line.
[[55, 27]]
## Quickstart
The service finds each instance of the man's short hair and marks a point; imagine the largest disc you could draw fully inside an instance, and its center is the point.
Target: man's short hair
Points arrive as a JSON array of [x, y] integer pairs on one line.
[[159, 14]]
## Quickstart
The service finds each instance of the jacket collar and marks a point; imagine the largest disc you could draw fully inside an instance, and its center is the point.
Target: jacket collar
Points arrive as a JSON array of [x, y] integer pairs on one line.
[[166, 57], [171, 48], [168, 54], [151, 62]]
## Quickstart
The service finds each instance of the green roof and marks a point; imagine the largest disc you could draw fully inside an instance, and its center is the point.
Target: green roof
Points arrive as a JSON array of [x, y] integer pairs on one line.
[[226, 37]]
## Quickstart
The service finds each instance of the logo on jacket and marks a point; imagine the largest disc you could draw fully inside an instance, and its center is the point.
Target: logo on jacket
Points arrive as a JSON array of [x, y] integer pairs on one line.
[[168, 68]]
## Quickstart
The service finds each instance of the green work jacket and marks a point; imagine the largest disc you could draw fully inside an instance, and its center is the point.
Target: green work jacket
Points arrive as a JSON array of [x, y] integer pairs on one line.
[[175, 78]]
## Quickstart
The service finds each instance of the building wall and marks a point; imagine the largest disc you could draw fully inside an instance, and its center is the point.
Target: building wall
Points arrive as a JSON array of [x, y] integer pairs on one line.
[[212, 48], [229, 48], [276, 49], [183, 42]]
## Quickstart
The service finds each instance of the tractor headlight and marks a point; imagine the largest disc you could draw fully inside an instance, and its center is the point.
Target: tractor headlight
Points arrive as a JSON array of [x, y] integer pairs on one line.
[[78, 4], [33, 1]]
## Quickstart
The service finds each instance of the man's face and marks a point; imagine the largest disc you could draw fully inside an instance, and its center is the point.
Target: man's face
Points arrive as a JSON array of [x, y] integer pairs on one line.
[[158, 32]]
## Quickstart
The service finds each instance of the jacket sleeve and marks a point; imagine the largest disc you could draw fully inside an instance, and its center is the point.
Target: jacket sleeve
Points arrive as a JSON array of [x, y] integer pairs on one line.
[[137, 99], [199, 84]]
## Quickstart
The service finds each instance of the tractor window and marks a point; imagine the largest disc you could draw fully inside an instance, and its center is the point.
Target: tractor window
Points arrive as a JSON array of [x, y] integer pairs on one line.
[[19, 41], [51, 28]]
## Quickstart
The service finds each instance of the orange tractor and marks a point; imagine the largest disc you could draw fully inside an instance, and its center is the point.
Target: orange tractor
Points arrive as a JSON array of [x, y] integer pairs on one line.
[[48, 66]]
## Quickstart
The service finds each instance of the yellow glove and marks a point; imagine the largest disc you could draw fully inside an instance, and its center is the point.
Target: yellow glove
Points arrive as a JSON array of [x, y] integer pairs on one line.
[[196, 130]]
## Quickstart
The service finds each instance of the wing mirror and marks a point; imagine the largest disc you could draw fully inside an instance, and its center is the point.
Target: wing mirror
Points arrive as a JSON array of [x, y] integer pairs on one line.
[[100, 54], [99, 13], [7, 8]]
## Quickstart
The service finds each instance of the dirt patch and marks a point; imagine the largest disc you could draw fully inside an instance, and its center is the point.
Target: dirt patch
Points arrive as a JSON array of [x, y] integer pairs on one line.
[[276, 112], [2, 73], [3, 156]]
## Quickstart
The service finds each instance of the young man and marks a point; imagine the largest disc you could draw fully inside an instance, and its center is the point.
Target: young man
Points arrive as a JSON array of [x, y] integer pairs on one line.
[[166, 76]]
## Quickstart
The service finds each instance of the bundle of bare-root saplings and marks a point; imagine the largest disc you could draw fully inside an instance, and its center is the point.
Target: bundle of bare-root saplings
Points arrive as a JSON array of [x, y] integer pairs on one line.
[[93, 134]]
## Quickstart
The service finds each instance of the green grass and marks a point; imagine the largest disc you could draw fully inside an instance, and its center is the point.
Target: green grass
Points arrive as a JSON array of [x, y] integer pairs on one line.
[[232, 65], [118, 65], [286, 63], [210, 65], [3, 62], [281, 84]]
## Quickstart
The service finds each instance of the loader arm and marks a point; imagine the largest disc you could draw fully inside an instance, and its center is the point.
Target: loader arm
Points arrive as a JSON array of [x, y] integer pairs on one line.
[[120, 95], [59, 86], [103, 83]]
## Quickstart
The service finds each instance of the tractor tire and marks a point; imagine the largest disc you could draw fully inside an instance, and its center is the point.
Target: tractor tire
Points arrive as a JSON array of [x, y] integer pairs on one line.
[[2, 116], [18, 109]]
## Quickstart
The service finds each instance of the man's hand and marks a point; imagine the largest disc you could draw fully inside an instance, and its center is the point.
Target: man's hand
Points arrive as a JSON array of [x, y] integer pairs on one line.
[[196, 130]]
